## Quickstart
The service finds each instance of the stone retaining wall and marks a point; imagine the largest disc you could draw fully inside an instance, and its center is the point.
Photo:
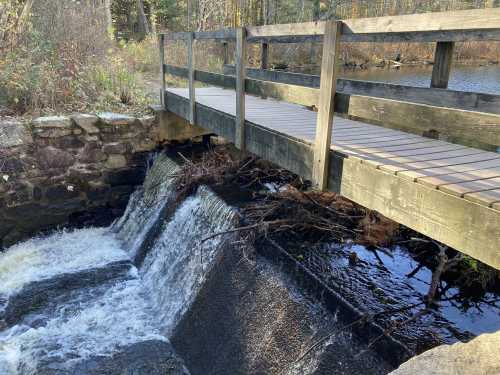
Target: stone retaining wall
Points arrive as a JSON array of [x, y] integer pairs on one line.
[[56, 170]]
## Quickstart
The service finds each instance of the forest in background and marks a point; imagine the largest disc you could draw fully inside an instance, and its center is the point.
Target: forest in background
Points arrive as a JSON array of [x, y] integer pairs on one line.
[[90, 55]]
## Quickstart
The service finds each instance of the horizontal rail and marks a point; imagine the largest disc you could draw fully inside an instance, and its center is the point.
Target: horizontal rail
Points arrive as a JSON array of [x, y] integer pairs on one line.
[[457, 26], [470, 101], [471, 128]]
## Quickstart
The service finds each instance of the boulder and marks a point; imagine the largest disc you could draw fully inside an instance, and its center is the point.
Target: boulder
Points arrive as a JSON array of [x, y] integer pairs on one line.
[[12, 134], [116, 119], [52, 122], [91, 153], [478, 356], [116, 161], [116, 148], [52, 126], [87, 122]]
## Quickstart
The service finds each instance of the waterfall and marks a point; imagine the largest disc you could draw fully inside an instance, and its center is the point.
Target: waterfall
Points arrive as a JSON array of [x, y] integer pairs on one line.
[[175, 266], [77, 301]]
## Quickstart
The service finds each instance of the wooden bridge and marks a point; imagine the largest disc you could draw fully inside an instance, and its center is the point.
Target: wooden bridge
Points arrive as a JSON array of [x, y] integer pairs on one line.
[[424, 157]]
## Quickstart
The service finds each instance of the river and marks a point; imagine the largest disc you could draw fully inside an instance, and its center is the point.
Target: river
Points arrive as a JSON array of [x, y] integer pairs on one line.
[[485, 79]]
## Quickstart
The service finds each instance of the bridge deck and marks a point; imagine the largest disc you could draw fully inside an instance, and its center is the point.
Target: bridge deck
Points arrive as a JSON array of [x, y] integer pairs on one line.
[[458, 170], [448, 192]]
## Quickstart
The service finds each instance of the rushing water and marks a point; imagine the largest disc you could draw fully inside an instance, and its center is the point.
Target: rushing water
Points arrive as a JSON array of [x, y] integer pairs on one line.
[[70, 299]]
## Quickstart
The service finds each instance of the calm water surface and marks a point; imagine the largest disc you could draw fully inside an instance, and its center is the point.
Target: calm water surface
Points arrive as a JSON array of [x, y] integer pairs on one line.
[[484, 79]]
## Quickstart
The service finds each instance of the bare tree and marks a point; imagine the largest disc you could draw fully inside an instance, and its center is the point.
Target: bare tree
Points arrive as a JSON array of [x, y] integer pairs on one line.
[[143, 20]]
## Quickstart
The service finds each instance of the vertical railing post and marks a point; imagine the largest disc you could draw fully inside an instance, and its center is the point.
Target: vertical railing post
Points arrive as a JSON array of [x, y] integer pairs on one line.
[[264, 55], [161, 42], [240, 59], [443, 59], [225, 54], [331, 51], [191, 71]]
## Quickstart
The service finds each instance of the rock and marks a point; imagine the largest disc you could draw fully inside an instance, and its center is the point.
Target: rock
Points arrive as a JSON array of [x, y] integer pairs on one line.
[[64, 142], [51, 157], [83, 172], [144, 144], [52, 122], [52, 127], [86, 122], [52, 133], [147, 121], [479, 356], [116, 119], [116, 148], [13, 133], [91, 153], [116, 161]]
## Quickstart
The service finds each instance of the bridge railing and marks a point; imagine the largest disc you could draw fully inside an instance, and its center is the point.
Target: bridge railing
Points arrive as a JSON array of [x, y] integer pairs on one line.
[[469, 118]]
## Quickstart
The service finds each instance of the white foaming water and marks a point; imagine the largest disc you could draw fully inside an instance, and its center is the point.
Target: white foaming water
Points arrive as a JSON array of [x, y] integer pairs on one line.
[[99, 327], [100, 320], [146, 204], [178, 262], [62, 252]]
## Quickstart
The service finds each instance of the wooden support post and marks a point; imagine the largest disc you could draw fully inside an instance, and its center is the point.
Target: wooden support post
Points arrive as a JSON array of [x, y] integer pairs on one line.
[[161, 41], [331, 51], [442, 64], [225, 52], [191, 68], [264, 56], [240, 58]]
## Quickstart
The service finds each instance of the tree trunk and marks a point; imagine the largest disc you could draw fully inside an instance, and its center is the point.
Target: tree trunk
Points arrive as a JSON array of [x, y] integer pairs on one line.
[[143, 20], [109, 18]]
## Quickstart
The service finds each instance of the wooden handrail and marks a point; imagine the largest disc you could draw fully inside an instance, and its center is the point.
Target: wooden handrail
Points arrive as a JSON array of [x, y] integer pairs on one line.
[[464, 25]]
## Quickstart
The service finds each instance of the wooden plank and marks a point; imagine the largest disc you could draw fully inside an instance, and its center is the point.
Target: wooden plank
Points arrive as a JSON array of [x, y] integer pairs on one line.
[[402, 161], [240, 59], [414, 175], [183, 35], [475, 19], [477, 24], [454, 178], [191, 69], [322, 144], [225, 34], [290, 29], [440, 163], [442, 64], [161, 42], [471, 101], [462, 188], [292, 94], [488, 198], [465, 126]]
